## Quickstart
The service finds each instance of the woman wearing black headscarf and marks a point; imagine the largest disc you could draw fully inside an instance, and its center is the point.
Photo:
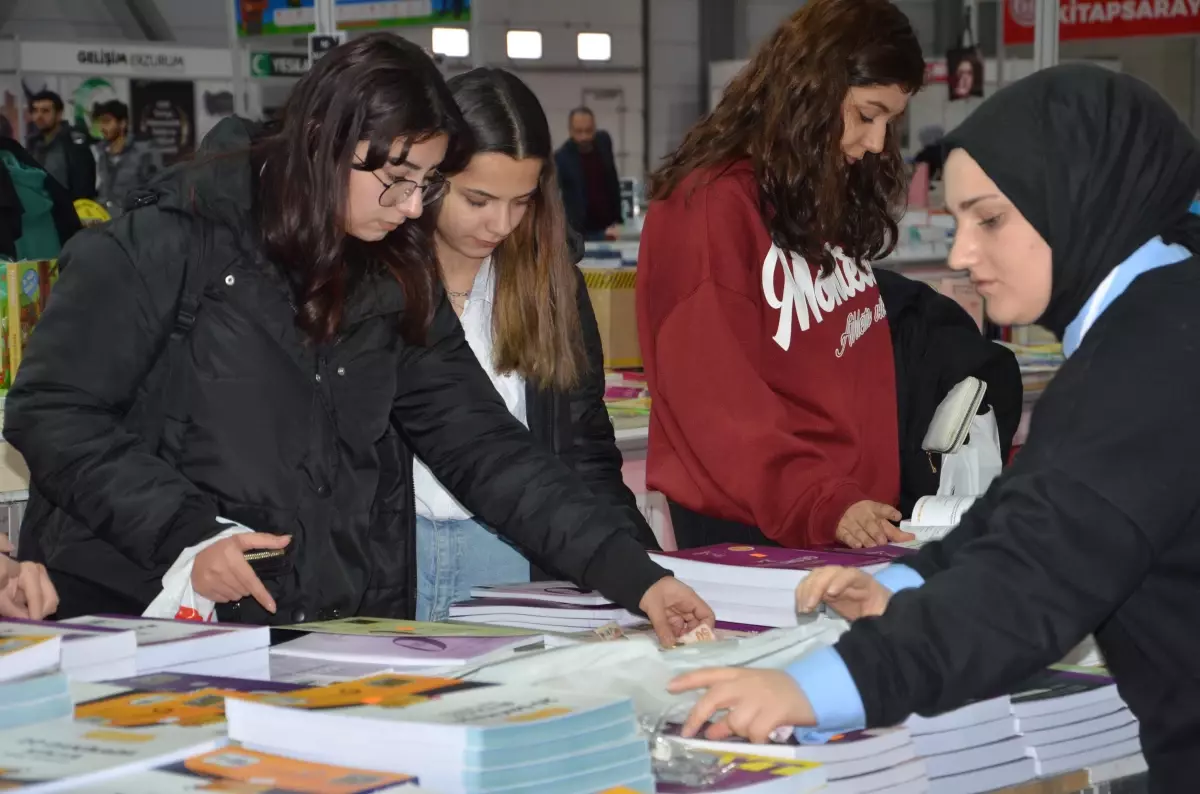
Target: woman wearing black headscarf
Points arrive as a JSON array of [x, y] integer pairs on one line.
[[1071, 190]]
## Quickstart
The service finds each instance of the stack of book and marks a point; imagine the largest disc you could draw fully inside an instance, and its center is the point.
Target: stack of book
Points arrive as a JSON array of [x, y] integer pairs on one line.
[[230, 649], [456, 737], [854, 762], [749, 774], [32, 690], [755, 585], [1071, 719], [88, 653], [1058, 721], [541, 606]]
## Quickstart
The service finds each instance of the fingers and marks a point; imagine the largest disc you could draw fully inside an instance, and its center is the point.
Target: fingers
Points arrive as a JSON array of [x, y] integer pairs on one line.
[[851, 534], [715, 699], [888, 513], [812, 590], [11, 605], [701, 679], [876, 531], [897, 535], [261, 540], [6, 545], [248, 583], [37, 591]]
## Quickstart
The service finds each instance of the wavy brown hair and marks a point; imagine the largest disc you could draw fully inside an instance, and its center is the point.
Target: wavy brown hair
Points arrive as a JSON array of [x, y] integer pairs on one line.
[[784, 111], [376, 88], [536, 329]]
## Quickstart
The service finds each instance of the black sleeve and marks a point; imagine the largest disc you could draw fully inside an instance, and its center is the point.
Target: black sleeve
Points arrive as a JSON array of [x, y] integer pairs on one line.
[[450, 415], [101, 333], [593, 453], [83, 171], [1062, 539]]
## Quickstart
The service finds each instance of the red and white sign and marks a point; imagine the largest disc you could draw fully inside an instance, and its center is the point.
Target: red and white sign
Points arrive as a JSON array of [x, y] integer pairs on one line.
[[1104, 19]]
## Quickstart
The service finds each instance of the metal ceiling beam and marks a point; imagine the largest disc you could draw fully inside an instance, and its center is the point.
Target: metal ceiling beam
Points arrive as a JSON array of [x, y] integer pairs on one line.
[[140, 19]]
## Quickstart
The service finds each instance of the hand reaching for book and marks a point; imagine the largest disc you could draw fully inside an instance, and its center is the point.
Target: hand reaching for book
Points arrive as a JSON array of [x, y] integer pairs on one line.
[[674, 609], [756, 703], [850, 592], [26, 590], [868, 523]]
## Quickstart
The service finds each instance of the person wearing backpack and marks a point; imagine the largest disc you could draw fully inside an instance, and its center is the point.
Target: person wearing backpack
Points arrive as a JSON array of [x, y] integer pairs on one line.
[[263, 339]]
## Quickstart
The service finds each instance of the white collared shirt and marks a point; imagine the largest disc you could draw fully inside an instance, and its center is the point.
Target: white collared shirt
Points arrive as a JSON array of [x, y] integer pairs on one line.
[[433, 500]]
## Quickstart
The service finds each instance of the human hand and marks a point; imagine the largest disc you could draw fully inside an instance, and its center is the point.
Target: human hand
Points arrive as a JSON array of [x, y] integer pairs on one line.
[[755, 702], [26, 590], [612, 232], [6, 546], [221, 574], [868, 523], [674, 609], [848, 591]]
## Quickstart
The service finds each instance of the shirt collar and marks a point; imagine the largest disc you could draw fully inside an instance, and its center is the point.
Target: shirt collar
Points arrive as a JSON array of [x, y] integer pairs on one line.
[[484, 288]]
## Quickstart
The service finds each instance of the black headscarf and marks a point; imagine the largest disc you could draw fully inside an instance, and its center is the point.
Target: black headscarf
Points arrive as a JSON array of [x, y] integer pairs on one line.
[[1099, 164]]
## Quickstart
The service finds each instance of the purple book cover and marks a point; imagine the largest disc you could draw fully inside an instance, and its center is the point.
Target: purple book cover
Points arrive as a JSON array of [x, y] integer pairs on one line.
[[747, 771], [161, 631], [184, 682], [773, 557], [402, 649], [68, 631], [530, 603], [880, 553]]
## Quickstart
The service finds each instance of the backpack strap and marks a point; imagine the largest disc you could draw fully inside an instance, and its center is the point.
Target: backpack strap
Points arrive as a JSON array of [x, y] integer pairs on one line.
[[196, 277]]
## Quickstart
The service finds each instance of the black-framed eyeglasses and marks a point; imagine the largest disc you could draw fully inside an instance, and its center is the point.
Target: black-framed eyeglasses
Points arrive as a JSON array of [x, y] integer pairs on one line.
[[401, 190]]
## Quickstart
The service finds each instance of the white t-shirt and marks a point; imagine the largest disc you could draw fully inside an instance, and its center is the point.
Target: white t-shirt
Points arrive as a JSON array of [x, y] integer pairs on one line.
[[433, 500]]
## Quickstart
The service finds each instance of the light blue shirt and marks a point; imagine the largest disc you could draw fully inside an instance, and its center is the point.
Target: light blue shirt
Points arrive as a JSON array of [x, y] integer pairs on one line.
[[826, 680], [1154, 254]]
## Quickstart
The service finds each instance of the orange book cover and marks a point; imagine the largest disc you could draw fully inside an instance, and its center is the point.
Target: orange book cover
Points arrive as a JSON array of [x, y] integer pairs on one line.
[[386, 689], [274, 773]]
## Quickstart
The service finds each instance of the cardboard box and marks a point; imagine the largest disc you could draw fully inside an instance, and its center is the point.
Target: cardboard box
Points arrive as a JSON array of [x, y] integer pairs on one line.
[[613, 298]]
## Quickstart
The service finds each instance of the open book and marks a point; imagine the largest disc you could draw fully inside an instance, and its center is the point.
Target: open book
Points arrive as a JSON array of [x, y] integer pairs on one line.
[[934, 516]]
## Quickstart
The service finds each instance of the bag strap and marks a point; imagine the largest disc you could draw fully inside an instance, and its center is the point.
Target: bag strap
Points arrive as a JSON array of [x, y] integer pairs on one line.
[[191, 295]]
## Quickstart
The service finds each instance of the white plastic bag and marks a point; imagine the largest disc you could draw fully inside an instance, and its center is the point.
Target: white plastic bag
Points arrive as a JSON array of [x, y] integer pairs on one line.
[[971, 470], [178, 599]]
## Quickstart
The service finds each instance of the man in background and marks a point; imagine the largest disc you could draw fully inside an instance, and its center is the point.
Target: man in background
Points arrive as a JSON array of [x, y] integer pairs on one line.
[[124, 164], [55, 146], [587, 174]]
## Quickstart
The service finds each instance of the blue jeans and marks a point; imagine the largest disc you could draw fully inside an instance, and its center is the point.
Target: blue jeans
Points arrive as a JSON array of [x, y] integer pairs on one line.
[[453, 557]]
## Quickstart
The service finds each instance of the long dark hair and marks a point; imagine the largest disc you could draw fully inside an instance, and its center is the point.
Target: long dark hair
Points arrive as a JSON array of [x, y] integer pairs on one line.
[[376, 88], [784, 112], [535, 324]]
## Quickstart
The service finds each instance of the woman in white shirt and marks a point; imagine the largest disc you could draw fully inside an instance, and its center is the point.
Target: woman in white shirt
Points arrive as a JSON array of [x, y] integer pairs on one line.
[[507, 266]]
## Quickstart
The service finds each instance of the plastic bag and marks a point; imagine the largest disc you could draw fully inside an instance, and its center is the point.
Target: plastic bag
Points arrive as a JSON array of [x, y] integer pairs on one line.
[[178, 599], [971, 470]]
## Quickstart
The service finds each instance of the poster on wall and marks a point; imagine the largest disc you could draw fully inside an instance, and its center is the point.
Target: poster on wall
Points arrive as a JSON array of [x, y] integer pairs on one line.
[[293, 17], [164, 113], [82, 94], [964, 73], [214, 101]]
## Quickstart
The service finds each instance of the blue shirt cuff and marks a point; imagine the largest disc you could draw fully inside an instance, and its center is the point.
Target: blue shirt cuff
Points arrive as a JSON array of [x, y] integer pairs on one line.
[[899, 577], [831, 692]]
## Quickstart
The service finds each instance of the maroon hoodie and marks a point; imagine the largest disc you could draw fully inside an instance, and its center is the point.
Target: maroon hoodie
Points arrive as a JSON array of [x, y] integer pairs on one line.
[[774, 390]]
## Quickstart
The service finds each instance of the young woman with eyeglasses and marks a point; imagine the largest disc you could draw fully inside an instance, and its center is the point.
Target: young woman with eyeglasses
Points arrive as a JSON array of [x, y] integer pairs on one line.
[[264, 338], [501, 239]]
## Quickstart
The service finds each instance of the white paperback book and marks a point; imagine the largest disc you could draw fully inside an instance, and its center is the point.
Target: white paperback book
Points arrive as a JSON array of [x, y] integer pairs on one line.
[[60, 755], [22, 656], [934, 516], [89, 653], [163, 643]]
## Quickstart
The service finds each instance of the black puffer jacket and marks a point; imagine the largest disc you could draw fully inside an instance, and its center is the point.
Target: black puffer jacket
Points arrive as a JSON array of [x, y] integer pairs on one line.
[[936, 345], [262, 427]]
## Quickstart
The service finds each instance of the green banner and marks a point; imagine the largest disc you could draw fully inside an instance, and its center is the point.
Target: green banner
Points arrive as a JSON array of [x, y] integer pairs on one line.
[[278, 64]]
